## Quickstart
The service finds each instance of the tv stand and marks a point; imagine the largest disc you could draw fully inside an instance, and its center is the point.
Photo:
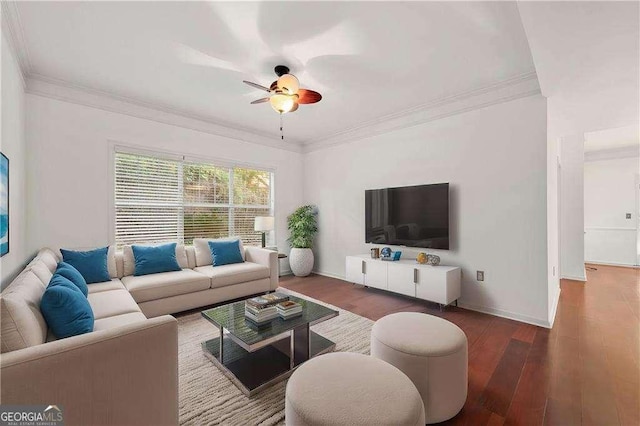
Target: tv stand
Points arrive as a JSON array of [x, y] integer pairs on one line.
[[439, 284]]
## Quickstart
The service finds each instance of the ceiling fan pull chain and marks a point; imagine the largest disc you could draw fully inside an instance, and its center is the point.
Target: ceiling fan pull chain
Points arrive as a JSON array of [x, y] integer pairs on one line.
[[281, 131]]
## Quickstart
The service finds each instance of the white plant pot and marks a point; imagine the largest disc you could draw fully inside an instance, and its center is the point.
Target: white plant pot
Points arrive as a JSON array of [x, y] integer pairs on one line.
[[301, 261]]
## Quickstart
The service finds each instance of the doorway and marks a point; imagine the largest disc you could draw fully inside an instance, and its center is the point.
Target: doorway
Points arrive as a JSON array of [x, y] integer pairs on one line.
[[611, 197]]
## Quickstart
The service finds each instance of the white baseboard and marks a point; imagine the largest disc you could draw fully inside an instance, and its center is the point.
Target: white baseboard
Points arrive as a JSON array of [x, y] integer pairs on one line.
[[506, 314], [327, 274], [574, 278], [554, 309], [622, 265], [485, 310]]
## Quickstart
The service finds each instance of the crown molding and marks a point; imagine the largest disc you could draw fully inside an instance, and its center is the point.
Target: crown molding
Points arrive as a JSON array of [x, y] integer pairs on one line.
[[12, 28], [69, 92], [630, 151], [514, 88], [507, 90]]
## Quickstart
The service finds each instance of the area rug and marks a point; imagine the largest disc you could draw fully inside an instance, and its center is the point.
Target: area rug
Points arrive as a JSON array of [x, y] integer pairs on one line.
[[207, 397]]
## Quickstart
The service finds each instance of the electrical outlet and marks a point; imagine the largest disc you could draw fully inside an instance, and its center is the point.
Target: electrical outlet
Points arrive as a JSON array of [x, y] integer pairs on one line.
[[628, 215], [480, 275]]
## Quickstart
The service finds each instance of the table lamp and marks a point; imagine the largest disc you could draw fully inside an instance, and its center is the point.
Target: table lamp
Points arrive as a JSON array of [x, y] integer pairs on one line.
[[264, 224]]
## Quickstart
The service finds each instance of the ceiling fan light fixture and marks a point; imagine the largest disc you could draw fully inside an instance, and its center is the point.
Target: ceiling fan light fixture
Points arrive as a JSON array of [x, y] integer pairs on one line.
[[289, 84], [282, 103]]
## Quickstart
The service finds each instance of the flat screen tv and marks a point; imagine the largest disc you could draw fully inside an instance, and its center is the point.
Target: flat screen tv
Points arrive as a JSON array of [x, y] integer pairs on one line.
[[412, 216]]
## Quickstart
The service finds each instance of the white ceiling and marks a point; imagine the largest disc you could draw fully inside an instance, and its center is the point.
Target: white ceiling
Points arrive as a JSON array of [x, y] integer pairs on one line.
[[587, 56], [368, 59], [620, 137]]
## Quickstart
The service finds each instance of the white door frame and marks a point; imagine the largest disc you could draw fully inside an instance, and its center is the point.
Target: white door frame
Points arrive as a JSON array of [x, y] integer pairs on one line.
[[637, 213]]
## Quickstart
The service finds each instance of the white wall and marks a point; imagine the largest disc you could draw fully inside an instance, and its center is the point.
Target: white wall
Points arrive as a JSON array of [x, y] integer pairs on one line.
[[69, 168], [13, 146], [494, 158], [572, 208], [553, 226], [610, 191]]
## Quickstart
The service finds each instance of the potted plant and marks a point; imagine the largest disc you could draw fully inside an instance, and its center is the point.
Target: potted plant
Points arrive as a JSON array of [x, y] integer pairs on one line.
[[302, 229]]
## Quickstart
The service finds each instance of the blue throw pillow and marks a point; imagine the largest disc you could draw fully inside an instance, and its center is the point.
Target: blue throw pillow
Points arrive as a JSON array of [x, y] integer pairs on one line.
[[65, 309], [91, 264], [72, 274], [155, 259], [225, 252]]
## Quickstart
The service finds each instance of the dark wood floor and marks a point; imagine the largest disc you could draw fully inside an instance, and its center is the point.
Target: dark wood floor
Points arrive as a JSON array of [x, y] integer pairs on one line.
[[586, 370]]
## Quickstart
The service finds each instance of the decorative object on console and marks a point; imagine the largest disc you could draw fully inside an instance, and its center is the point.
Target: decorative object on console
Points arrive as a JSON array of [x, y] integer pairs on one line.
[[264, 224], [433, 260], [375, 253], [421, 258], [395, 256], [4, 205], [385, 252], [302, 228]]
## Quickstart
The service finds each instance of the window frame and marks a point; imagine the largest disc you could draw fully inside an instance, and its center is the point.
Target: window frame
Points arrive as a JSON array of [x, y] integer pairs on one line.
[[116, 147]]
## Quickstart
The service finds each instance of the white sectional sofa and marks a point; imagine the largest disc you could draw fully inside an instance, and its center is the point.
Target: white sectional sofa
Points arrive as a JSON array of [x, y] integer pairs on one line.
[[126, 370]]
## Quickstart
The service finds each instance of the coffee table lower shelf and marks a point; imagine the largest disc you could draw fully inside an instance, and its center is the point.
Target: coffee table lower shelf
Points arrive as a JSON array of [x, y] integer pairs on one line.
[[253, 371]]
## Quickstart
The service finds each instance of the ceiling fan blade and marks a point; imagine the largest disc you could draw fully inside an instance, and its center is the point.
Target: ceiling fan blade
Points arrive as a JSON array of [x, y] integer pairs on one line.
[[308, 96], [260, 101], [256, 85]]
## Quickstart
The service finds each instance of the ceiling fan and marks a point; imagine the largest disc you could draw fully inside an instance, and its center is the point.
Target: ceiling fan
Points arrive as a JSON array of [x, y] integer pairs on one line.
[[285, 94]]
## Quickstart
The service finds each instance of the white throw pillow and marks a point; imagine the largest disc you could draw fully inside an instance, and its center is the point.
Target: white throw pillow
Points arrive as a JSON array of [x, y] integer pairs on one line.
[[203, 252]]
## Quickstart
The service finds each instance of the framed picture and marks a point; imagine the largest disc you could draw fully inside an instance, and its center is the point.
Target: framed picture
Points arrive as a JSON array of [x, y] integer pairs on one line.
[[4, 205]]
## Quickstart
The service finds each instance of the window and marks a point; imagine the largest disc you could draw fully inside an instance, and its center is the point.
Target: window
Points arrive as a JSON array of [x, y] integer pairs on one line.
[[162, 199]]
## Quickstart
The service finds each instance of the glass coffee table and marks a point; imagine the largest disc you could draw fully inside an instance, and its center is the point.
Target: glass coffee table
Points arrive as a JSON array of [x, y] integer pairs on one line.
[[254, 357]]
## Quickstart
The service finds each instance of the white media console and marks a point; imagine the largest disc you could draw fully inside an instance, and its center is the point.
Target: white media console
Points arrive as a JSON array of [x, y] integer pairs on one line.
[[440, 284]]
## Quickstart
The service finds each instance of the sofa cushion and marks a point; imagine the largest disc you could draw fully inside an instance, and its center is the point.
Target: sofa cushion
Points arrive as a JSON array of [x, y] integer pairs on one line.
[[114, 284], [225, 275], [111, 303], [66, 309], [118, 321], [165, 284], [41, 270], [203, 252], [72, 274], [129, 261], [49, 258], [21, 322], [92, 264]]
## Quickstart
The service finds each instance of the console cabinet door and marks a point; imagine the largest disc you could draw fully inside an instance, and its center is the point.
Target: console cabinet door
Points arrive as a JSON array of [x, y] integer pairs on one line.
[[355, 270], [401, 279], [375, 274], [431, 285]]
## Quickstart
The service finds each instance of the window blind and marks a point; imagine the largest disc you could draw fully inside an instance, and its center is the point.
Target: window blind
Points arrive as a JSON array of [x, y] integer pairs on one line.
[[159, 199]]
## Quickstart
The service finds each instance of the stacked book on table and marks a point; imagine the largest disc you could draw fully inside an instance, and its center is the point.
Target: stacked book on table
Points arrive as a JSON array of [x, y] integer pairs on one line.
[[289, 309], [261, 310]]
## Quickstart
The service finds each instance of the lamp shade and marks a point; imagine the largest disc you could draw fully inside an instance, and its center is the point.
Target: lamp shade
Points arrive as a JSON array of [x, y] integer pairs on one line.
[[282, 103], [289, 84], [264, 223]]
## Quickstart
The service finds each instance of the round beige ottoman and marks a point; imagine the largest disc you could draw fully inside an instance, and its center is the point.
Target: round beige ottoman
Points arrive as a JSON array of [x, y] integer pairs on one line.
[[351, 389], [432, 352]]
